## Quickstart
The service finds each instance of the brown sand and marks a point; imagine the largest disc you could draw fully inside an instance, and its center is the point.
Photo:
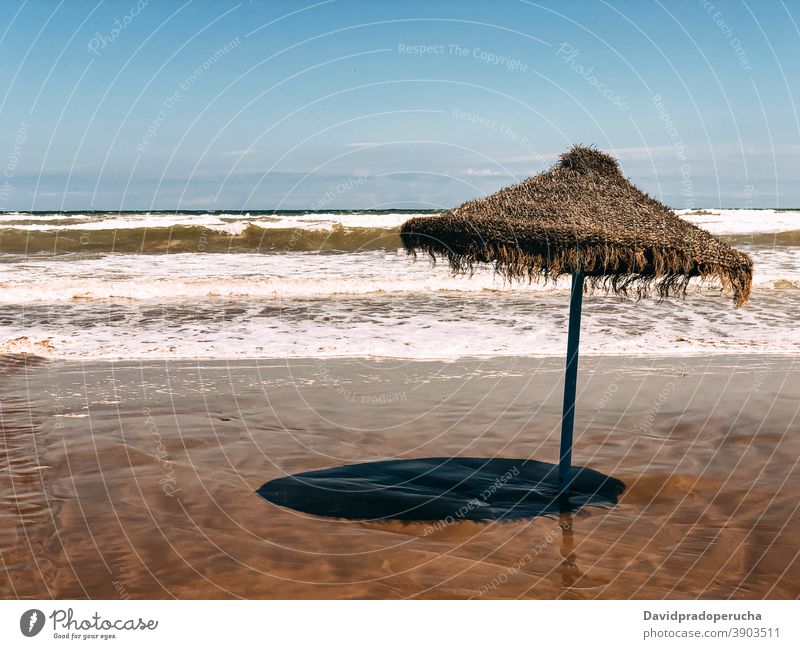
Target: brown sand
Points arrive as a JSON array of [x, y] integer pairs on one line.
[[138, 480]]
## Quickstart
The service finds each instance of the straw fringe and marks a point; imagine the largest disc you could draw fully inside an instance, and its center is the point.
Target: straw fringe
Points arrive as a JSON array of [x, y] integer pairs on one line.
[[607, 268], [518, 232]]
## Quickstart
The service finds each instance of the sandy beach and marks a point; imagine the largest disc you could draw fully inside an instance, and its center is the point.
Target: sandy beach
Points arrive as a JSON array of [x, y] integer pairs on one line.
[[138, 479]]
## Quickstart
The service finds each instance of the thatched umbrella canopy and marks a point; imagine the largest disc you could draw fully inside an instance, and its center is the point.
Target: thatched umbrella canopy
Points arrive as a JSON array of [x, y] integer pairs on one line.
[[580, 217], [581, 213]]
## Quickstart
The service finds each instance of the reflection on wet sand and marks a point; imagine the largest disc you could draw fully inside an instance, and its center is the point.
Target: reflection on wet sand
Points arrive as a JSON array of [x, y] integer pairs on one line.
[[569, 569]]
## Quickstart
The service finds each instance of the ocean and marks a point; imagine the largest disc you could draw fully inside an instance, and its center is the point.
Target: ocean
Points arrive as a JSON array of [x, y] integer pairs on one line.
[[183, 285]]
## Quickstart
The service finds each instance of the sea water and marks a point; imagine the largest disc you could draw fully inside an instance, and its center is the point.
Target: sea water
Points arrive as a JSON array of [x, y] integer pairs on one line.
[[128, 285]]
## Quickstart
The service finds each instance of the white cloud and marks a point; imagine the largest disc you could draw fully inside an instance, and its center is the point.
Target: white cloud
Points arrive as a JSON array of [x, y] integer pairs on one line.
[[642, 152], [538, 158], [485, 172], [625, 153], [240, 152], [57, 194]]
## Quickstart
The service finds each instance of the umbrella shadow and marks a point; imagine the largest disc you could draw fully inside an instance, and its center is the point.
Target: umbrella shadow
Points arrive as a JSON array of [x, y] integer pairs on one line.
[[441, 489]]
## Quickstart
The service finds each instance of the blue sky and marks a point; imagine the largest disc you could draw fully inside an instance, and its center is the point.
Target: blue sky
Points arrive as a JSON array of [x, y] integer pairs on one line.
[[136, 104]]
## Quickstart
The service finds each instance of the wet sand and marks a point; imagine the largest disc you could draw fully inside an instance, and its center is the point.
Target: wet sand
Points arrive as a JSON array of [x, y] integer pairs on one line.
[[139, 480]]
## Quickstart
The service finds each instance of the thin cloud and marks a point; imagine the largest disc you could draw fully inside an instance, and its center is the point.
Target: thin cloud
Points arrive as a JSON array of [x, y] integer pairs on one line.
[[629, 153], [531, 157], [486, 172], [240, 152], [643, 152]]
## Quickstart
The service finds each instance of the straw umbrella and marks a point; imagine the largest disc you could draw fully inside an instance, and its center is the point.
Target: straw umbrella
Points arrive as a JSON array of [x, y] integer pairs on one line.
[[580, 217]]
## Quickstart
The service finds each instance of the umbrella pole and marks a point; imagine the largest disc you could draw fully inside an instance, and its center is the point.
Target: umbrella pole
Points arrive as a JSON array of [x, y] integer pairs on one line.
[[570, 379]]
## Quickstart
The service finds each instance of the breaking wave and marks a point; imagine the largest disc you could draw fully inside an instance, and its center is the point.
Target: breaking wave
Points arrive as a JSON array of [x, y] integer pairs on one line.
[[197, 238]]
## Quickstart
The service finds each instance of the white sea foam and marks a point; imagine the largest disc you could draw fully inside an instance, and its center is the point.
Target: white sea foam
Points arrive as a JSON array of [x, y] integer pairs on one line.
[[432, 327], [228, 223], [718, 221], [258, 276], [362, 303]]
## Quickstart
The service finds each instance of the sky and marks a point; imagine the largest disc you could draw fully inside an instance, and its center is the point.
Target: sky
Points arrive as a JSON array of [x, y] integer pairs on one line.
[[345, 104]]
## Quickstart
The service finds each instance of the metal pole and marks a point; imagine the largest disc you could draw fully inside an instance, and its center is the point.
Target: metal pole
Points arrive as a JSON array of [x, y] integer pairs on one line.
[[570, 379]]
